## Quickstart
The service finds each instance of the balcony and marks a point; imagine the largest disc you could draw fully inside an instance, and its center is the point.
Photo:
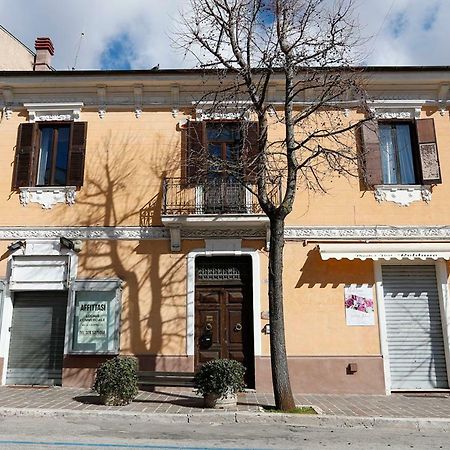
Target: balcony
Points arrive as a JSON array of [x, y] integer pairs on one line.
[[214, 204]]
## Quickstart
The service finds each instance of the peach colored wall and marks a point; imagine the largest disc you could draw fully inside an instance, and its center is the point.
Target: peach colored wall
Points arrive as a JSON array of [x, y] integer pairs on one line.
[[314, 305], [128, 157], [154, 294], [346, 203]]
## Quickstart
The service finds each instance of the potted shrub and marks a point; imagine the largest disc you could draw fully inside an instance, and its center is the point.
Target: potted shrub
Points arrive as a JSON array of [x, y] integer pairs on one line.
[[116, 381], [219, 381]]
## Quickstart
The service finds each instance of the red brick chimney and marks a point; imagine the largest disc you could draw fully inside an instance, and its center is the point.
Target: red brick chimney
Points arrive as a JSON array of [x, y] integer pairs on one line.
[[44, 52]]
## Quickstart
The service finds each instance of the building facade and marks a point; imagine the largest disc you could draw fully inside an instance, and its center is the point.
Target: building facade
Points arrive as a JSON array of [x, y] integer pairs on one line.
[[108, 248], [14, 55]]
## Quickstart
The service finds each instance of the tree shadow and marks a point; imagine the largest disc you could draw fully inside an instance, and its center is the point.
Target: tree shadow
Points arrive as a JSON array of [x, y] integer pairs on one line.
[[317, 271], [120, 177]]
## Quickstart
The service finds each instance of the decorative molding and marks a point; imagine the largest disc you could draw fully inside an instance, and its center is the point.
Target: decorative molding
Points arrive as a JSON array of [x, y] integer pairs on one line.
[[369, 233], [7, 94], [396, 109], [402, 195], [101, 95], [303, 233], [138, 90], [396, 114], [175, 239], [84, 233], [47, 196], [228, 110], [214, 233], [175, 95], [44, 112]]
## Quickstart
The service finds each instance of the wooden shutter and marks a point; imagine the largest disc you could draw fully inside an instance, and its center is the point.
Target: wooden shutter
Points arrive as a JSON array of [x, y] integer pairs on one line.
[[77, 154], [428, 152], [195, 151], [25, 156], [251, 151], [371, 153]]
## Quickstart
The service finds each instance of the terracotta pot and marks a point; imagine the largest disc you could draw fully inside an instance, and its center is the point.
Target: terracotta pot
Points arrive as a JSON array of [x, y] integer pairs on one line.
[[213, 400]]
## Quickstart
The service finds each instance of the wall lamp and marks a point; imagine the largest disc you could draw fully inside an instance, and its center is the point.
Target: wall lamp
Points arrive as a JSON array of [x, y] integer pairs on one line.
[[16, 245], [70, 244]]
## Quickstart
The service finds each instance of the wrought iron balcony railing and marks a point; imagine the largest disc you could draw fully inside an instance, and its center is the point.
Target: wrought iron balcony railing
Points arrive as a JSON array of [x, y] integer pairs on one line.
[[219, 196]]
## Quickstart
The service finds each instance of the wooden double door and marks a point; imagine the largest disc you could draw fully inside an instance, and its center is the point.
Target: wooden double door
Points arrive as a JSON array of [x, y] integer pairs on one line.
[[224, 318]]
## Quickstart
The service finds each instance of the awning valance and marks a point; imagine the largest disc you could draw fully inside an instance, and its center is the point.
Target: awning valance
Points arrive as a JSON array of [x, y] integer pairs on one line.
[[386, 251]]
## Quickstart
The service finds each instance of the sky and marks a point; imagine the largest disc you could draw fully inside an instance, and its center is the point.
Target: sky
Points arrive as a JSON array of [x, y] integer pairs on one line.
[[139, 34]]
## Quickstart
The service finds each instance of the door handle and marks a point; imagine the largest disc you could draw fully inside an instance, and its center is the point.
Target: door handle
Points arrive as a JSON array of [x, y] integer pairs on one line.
[[238, 327]]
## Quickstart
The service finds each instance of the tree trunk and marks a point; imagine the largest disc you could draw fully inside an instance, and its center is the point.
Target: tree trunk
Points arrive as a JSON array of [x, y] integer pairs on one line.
[[280, 374]]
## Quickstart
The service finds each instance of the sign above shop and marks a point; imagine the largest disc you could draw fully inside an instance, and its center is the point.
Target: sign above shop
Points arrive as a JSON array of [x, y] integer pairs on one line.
[[386, 251]]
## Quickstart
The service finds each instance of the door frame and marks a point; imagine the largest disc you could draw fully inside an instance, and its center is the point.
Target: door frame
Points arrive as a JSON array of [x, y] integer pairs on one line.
[[444, 307], [190, 303]]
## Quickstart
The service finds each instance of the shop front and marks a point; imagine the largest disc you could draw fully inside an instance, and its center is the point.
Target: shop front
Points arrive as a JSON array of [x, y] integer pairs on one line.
[[50, 315], [412, 301]]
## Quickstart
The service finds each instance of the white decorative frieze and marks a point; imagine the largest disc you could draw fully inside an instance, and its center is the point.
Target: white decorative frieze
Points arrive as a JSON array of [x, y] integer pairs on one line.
[[402, 195], [396, 109], [313, 233], [47, 196], [44, 112]]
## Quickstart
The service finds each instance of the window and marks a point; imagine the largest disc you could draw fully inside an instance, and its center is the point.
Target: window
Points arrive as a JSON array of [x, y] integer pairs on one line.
[[220, 156], [50, 154], [224, 147], [96, 317], [53, 155], [397, 158], [400, 152], [213, 145]]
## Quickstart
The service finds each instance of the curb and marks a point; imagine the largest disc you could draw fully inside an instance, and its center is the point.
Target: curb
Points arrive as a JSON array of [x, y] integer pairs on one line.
[[217, 418]]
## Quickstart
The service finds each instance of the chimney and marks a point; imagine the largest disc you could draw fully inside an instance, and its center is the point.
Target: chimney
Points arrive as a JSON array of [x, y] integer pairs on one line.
[[44, 52]]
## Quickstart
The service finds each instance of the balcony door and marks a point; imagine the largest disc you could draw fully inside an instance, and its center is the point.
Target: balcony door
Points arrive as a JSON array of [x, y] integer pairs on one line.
[[222, 192]]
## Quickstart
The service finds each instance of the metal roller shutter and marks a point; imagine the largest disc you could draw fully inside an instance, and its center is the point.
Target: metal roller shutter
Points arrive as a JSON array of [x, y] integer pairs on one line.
[[414, 328], [37, 338]]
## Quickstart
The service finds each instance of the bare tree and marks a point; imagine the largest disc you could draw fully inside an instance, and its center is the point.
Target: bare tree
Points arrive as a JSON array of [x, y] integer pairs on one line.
[[304, 51]]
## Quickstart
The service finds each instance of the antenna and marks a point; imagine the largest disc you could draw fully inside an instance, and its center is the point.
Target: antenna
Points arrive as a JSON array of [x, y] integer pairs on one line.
[[78, 51]]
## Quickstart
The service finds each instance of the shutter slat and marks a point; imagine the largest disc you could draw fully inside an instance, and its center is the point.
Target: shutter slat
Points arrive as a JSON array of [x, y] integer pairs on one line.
[[414, 328], [196, 157], [372, 170], [77, 154], [250, 151], [428, 152], [25, 155], [37, 338]]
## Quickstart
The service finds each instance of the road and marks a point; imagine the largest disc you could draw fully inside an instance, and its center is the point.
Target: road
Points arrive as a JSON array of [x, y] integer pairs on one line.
[[99, 433]]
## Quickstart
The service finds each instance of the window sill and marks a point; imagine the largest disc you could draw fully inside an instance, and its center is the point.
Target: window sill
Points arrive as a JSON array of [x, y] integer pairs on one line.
[[403, 195], [47, 196]]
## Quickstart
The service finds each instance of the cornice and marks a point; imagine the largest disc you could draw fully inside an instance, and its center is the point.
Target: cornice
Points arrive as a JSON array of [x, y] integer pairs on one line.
[[371, 233]]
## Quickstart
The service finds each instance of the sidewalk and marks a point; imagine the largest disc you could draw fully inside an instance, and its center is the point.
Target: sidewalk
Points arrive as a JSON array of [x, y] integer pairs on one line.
[[173, 405]]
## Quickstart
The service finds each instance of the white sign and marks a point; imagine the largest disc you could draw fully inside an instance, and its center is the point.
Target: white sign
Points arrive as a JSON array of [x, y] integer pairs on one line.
[[92, 322], [359, 310]]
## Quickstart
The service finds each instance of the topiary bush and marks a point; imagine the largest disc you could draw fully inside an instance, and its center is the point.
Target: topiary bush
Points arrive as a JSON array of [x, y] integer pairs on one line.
[[223, 377], [116, 380]]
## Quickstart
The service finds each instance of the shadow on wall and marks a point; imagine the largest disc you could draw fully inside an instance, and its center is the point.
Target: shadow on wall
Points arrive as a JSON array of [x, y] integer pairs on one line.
[[317, 271], [119, 180]]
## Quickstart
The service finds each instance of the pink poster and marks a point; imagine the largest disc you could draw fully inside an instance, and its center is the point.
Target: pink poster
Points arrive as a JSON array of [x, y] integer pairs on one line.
[[359, 305]]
